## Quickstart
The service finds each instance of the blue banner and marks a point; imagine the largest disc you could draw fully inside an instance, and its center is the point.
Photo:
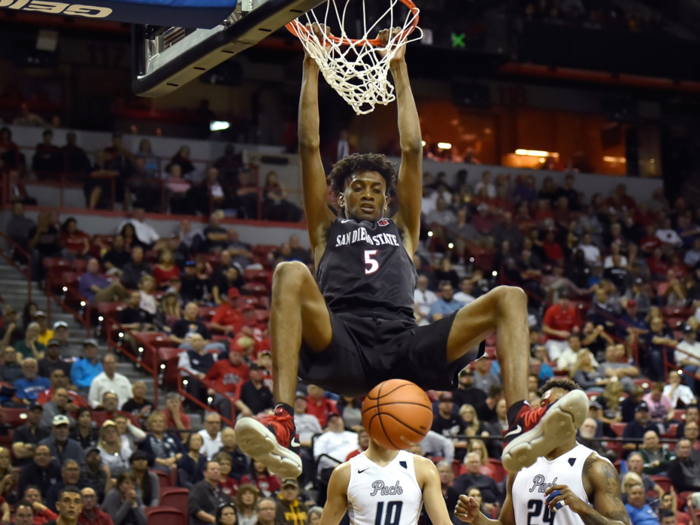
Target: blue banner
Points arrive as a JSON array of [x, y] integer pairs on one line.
[[203, 14]]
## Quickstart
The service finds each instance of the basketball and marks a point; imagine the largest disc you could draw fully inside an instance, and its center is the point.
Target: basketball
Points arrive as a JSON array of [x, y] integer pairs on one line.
[[397, 414]]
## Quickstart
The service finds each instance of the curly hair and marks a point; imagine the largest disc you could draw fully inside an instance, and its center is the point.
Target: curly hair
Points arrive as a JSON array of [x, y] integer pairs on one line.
[[358, 163], [564, 383]]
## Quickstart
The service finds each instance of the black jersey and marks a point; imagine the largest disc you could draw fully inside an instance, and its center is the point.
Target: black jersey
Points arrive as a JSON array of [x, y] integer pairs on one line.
[[366, 268]]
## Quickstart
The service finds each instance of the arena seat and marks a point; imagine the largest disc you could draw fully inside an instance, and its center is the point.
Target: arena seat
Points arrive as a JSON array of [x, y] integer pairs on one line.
[[644, 383], [258, 289], [679, 414], [662, 481], [490, 352], [165, 516], [56, 264], [206, 312], [169, 358], [174, 497], [156, 339], [675, 322], [675, 311], [618, 428], [263, 316], [260, 276], [164, 479], [592, 396], [14, 416], [499, 471]]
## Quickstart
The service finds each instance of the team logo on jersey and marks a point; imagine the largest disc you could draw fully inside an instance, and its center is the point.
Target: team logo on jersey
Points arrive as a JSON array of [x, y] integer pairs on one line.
[[383, 222], [538, 482], [381, 489]]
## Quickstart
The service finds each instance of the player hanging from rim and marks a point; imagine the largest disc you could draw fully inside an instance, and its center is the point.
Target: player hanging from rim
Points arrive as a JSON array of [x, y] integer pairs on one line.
[[356, 327], [571, 482], [385, 487]]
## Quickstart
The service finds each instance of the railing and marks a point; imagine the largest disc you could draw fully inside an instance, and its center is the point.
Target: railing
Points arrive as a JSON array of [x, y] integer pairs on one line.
[[672, 366], [27, 272], [83, 317], [181, 389], [142, 347]]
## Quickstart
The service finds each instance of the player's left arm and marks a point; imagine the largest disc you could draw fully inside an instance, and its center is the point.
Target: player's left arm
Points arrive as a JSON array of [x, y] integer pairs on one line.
[[337, 500], [607, 509], [429, 480], [410, 183]]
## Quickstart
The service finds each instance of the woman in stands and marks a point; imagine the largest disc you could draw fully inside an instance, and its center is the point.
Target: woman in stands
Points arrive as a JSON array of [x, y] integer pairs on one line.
[[113, 452], [165, 271], [169, 311], [479, 447], [275, 206], [190, 468], [267, 483], [231, 278], [468, 414], [226, 514], [9, 476], [610, 401], [130, 239], [182, 159], [150, 160], [130, 435], [123, 504], [164, 449], [147, 484], [445, 272], [75, 241], [84, 432], [28, 314], [314, 515], [246, 499], [586, 375], [350, 410], [147, 287]]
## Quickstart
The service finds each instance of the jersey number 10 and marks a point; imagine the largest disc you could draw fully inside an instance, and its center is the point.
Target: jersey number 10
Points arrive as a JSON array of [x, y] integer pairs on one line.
[[393, 513]]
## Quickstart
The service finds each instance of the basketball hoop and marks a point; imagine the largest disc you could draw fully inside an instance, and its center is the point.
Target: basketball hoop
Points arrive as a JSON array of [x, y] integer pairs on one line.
[[353, 67]]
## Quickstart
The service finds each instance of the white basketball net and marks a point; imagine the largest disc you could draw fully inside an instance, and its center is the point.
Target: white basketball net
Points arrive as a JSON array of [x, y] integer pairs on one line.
[[355, 69]]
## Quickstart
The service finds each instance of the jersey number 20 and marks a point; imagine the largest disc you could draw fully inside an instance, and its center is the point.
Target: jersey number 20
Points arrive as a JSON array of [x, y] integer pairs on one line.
[[393, 513], [534, 507]]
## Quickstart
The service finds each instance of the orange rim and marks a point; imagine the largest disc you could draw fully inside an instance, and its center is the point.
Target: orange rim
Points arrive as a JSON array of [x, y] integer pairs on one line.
[[298, 29]]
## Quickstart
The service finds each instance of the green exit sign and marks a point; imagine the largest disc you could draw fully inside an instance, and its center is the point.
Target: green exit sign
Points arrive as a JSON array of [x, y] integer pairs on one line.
[[458, 39]]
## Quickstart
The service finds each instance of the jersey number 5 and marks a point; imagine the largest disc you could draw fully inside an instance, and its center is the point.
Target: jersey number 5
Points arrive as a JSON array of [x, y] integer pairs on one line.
[[534, 507], [393, 508], [373, 265]]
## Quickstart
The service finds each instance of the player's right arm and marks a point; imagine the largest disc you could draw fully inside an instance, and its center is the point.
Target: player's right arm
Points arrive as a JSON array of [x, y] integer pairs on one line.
[[337, 501], [468, 510], [318, 216]]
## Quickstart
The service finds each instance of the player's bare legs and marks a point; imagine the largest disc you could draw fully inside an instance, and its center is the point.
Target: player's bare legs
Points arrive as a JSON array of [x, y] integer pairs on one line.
[[533, 432], [298, 312]]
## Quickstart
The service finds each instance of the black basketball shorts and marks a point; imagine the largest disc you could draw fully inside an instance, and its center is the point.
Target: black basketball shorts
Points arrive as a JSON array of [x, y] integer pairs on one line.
[[368, 348]]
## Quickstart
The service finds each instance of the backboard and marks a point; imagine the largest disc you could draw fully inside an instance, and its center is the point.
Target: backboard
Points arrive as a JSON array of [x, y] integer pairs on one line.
[[167, 57]]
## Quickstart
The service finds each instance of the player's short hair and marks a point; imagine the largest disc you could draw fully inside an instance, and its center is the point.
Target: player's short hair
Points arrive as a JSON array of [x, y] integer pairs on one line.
[[564, 383], [70, 489], [666, 513], [358, 163]]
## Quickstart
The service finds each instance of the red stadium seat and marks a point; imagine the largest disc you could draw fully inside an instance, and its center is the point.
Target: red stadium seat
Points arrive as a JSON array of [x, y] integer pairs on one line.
[[258, 289], [14, 416], [206, 313], [164, 479], [248, 300], [592, 396], [156, 339], [174, 497], [169, 358], [499, 471], [263, 316], [264, 302], [63, 279], [491, 352], [260, 276], [56, 264], [674, 311], [644, 383], [165, 516], [618, 428], [79, 265], [662, 481], [676, 322], [211, 258], [110, 310], [262, 250]]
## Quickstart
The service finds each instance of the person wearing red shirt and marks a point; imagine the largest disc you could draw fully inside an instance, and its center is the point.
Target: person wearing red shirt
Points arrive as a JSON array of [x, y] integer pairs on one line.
[[362, 445], [227, 484], [41, 513], [173, 405], [259, 476], [165, 272], [552, 248], [650, 241], [91, 514], [75, 241], [559, 321], [223, 379], [319, 406], [60, 380], [227, 318], [657, 267]]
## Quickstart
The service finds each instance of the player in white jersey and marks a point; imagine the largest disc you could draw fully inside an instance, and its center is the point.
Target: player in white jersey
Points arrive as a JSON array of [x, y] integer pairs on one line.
[[572, 483], [385, 487]]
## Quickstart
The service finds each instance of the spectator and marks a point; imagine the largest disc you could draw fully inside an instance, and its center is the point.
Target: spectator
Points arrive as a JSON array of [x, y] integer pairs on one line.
[[450, 425], [165, 272], [318, 405], [483, 377], [445, 272], [586, 437], [584, 372], [147, 484], [489, 490], [268, 484], [466, 393], [53, 360], [145, 233], [59, 405], [133, 317], [41, 471], [639, 427], [45, 333], [95, 475], [246, 504], [98, 289], [76, 242], [60, 445], [189, 324], [660, 406], [30, 386], [680, 395], [684, 473], [91, 514], [228, 484], [27, 436], [206, 496], [216, 237], [659, 341], [446, 305], [123, 503], [211, 434], [136, 268], [640, 513], [30, 345], [254, 397], [109, 380], [138, 406], [192, 287], [266, 511], [614, 367], [290, 510], [116, 258], [190, 468], [275, 205], [487, 410], [70, 477], [41, 513], [630, 404], [229, 279], [85, 370], [164, 449], [24, 513], [226, 514], [336, 443], [590, 251], [114, 454], [10, 371], [224, 378], [19, 228], [432, 445], [465, 288], [43, 241], [656, 457], [687, 355], [239, 461], [560, 320], [227, 318]]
